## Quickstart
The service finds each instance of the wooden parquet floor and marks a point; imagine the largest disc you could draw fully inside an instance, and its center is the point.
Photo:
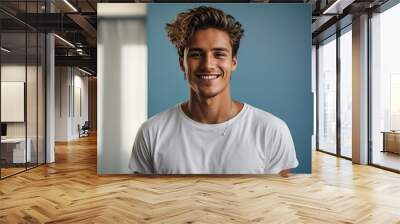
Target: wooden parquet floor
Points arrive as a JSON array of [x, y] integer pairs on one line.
[[70, 191]]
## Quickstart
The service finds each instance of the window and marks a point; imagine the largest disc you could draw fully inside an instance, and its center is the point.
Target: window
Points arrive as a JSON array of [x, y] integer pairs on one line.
[[385, 88], [346, 92], [327, 95]]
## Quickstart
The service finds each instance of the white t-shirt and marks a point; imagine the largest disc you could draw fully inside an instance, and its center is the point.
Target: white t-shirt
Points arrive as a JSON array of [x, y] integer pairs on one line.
[[252, 142]]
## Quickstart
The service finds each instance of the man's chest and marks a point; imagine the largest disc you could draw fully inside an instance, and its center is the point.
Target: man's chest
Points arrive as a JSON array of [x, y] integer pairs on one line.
[[208, 153]]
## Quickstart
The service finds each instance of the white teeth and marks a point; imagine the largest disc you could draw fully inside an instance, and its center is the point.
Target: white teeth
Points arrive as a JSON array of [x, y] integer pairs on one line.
[[208, 77]]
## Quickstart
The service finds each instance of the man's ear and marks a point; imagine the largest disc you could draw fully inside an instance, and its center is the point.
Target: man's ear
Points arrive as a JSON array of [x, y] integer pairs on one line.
[[234, 63], [181, 65]]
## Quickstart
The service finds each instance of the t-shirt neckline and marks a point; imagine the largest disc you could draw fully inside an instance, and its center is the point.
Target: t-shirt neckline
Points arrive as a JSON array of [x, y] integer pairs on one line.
[[204, 125]]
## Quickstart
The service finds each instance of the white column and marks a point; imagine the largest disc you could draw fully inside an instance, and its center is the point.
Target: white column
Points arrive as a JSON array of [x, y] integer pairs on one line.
[[50, 100], [314, 93], [360, 90]]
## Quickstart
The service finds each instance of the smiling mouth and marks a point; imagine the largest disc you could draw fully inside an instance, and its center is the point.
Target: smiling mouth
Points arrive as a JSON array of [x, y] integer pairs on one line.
[[208, 76]]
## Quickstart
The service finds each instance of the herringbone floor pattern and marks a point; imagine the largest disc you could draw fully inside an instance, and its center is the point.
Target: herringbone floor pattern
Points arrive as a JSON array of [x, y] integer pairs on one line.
[[69, 191]]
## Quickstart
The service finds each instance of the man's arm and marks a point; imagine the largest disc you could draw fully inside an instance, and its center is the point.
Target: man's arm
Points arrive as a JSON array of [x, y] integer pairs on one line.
[[285, 173], [141, 159], [282, 154]]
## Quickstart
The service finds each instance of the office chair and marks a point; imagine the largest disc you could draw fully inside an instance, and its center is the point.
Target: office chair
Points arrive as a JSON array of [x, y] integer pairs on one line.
[[84, 130]]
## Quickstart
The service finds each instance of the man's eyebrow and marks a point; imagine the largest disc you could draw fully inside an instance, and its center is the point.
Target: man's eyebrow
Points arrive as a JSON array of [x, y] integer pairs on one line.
[[194, 49], [220, 49], [214, 49]]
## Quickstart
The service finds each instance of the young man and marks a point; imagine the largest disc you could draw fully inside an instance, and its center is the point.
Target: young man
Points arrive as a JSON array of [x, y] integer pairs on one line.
[[211, 133]]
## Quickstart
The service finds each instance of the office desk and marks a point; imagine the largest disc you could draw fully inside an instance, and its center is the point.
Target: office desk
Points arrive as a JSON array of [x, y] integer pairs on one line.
[[391, 141], [13, 150]]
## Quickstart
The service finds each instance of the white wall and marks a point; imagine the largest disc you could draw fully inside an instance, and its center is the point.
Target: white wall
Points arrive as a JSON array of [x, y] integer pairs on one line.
[[61, 103], [121, 90], [33, 127], [14, 72], [68, 81], [79, 117], [12, 101]]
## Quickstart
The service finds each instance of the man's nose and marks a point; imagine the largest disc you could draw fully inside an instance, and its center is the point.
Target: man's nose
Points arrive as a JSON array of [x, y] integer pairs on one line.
[[208, 61]]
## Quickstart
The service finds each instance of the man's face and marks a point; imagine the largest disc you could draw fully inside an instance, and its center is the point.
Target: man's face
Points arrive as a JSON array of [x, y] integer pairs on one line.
[[208, 62]]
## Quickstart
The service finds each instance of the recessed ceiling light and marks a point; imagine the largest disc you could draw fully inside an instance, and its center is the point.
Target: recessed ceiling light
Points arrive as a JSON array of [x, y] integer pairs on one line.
[[5, 50], [84, 71], [337, 7], [64, 40], [70, 5]]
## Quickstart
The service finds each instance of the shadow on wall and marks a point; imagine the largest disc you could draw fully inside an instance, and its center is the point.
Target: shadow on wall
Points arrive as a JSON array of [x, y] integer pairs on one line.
[[122, 90]]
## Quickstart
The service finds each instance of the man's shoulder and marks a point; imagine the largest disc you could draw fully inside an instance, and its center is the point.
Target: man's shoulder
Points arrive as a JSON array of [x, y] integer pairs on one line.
[[266, 119], [161, 118]]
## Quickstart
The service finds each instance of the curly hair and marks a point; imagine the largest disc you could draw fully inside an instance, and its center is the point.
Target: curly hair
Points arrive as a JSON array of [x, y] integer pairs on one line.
[[181, 30]]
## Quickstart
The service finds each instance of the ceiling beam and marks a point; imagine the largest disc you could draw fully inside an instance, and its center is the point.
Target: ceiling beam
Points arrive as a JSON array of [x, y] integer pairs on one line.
[[83, 61], [86, 27]]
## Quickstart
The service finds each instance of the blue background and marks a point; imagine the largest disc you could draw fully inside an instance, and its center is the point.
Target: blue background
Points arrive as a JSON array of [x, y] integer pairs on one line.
[[274, 65]]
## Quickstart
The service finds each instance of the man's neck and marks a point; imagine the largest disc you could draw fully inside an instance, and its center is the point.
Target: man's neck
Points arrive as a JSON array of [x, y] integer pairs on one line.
[[212, 110]]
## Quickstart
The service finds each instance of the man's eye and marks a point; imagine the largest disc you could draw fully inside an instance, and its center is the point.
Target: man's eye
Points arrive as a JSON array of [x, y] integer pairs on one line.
[[194, 55], [220, 55]]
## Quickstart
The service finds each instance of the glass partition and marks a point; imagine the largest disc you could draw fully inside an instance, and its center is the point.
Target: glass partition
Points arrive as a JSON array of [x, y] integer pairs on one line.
[[32, 90], [346, 93], [31, 100], [22, 88], [41, 87], [13, 109], [327, 95], [385, 89]]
